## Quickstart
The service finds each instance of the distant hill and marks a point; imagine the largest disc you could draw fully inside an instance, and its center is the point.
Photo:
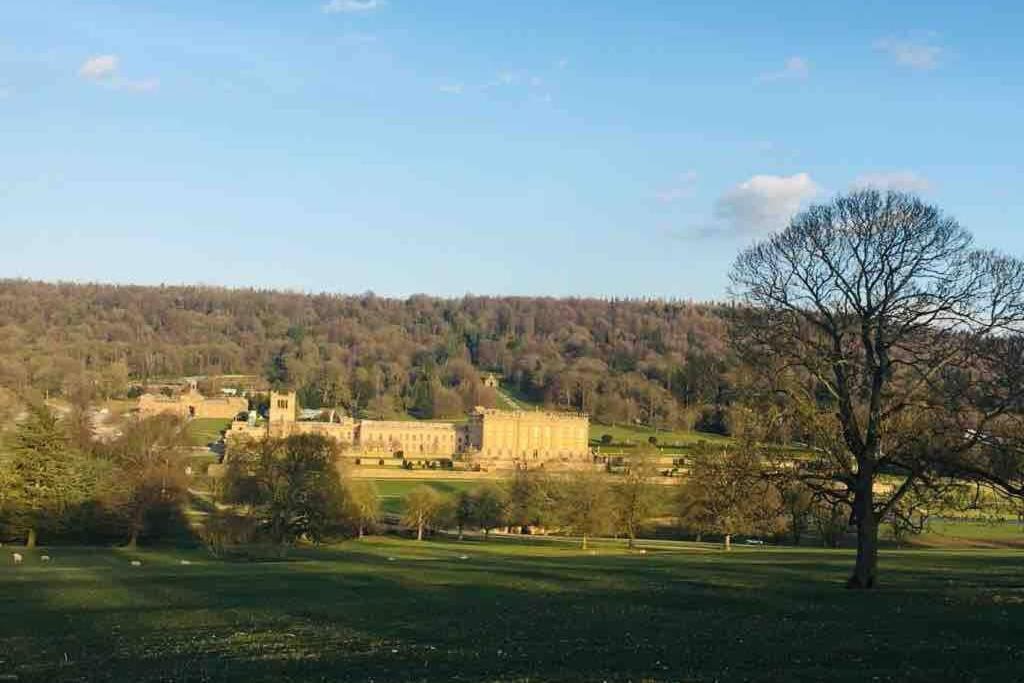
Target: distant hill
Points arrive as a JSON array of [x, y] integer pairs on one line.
[[624, 361]]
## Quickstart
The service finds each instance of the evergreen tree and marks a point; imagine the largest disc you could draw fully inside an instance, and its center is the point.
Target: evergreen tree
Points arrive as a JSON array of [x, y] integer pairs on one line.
[[45, 476]]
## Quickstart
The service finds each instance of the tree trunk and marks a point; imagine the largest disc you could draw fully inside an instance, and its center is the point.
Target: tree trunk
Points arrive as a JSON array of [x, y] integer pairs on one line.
[[460, 532], [133, 540], [31, 541], [361, 531], [584, 544], [632, 540], [866, 567], [728, 541], [419, 531]]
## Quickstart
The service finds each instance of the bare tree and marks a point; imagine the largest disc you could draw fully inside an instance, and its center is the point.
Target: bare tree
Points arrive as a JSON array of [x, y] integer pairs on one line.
[[634, 496], [726, 492], [895, 344], [362, 503], [149, 459], [584, 505], [423, 506]]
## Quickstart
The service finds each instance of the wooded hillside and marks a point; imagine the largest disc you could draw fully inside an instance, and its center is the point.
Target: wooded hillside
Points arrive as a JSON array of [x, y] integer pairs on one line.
[[661, 363]]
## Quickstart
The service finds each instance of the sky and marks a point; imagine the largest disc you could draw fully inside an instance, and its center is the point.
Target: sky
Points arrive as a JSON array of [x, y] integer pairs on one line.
[[537, 147]]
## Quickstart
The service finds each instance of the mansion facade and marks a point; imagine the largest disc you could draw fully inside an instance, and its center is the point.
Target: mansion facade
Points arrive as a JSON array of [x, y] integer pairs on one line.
[[496, 437]]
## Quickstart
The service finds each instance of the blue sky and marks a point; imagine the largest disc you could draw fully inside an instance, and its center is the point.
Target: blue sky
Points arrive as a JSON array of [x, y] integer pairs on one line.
[[447, 147]]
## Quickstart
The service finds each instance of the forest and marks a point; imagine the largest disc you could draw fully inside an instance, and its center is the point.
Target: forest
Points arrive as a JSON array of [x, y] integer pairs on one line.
[[659, 363]]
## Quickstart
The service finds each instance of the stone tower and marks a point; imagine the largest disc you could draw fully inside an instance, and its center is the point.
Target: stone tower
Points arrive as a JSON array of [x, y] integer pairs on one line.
[[283, 407]]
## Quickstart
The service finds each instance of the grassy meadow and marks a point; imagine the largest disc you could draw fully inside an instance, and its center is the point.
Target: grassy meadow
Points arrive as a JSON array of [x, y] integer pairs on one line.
[[203, 431], [388, 609], [639, 435]]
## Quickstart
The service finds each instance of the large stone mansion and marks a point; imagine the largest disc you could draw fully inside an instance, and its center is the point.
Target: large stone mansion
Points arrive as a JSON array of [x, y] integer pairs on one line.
[[495, 437]]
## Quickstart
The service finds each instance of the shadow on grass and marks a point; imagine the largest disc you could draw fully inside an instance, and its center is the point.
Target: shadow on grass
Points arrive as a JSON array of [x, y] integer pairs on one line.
[[505, 613]]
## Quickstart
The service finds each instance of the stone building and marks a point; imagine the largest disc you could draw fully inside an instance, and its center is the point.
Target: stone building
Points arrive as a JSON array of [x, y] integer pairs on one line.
[[412, 439], [528, 436], [502, 439], [283, 420], [190, 403]]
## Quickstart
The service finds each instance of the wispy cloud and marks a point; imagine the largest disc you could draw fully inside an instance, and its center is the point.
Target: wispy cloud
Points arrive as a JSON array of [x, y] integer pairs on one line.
[[99, 67], [683, 188], [532, 85], [795, 68], [921, 54], [900, 181], [351, 6], [105, 70], [761, 204]]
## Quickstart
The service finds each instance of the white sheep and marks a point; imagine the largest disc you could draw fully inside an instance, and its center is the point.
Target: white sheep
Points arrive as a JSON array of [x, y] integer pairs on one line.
[[643, 551], [136, 563], [185, 562], [463, 557], [18, 559], [391, 559], [44, 558]]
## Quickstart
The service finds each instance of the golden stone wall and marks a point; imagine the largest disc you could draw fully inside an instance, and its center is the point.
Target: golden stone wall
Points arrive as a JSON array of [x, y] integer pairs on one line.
[[529, 435], [192, 404], [502, 437], [411, 438]]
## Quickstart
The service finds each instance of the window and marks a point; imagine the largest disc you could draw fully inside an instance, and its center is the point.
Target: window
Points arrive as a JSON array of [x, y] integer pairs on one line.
[[282, 403]]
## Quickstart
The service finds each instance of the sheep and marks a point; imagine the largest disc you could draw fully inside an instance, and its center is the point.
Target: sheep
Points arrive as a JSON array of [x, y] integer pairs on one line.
[[185, 562], [391, 559], [44, 558], [463, 557], [18, 559], [643, 551], [136, 563]]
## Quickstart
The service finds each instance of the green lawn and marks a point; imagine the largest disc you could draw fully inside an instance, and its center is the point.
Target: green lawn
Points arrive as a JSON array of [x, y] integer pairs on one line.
[[640, 435], [392, 491], [395, 610], [204, 430]]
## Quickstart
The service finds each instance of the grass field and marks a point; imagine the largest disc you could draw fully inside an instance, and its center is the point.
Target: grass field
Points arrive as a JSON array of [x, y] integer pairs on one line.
[[394, 610], [392, 491], [204, 430], [640, 435]]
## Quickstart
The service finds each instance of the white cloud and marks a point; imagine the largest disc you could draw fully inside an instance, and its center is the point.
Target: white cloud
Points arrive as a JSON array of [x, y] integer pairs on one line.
[[99, 67], [105, 70], [915, 54], [795, 68], [900, 181], [681, 189], [452, 88], [762, 204], [562, 63], [352, 6]]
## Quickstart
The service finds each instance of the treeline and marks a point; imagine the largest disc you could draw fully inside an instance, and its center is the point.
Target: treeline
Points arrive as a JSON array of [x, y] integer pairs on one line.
[[58, 483], [665, 364]]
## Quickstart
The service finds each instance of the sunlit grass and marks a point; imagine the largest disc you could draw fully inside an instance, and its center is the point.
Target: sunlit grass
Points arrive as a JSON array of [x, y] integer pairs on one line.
[[512, 610]]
